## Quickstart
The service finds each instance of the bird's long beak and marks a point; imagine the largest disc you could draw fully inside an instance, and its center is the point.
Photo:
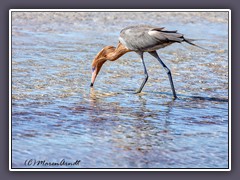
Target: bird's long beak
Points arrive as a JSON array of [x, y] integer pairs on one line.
[[95, 71], [94, 75]]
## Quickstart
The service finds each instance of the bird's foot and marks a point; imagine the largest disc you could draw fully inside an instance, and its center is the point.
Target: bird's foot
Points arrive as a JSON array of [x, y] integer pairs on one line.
[[174, 97], [137, 92]]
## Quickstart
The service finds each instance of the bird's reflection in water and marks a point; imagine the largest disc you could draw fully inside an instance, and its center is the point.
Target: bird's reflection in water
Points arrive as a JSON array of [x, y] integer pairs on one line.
[[92, 94], [138, 128]]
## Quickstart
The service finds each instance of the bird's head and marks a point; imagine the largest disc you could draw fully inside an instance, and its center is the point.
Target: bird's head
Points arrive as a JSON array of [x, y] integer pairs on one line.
[[99, 60]]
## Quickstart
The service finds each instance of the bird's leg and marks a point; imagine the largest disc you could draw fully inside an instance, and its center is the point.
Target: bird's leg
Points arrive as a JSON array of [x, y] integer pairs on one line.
[[154, 54], [145, 73]]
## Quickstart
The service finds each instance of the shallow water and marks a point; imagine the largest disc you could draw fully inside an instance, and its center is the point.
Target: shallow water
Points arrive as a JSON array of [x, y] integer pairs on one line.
[[56, 115]]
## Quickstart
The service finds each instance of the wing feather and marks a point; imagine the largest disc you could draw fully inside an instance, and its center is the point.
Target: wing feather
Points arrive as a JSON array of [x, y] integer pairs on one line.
[[170, 36], [148, 38]]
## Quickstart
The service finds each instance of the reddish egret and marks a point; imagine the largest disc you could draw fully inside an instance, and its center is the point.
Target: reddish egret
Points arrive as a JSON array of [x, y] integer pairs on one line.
[[140, 39]]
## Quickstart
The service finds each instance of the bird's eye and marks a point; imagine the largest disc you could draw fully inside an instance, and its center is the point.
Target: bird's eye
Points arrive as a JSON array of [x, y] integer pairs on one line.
[[93, 69]]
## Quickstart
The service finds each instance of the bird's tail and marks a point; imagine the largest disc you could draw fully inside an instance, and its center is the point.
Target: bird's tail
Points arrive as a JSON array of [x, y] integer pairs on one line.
[[190, 41]]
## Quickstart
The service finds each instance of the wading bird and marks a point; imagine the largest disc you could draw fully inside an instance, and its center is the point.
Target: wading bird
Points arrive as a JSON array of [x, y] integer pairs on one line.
[[140, 39]]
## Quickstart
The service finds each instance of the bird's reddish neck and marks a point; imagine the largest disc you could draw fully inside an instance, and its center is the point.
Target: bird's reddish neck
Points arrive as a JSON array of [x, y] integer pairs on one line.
[[114, 53], [108, 53]]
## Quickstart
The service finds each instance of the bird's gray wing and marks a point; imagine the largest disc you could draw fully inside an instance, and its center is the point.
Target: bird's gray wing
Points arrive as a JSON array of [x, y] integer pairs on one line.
[[165, 35], [136, 38], [148, 38]]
